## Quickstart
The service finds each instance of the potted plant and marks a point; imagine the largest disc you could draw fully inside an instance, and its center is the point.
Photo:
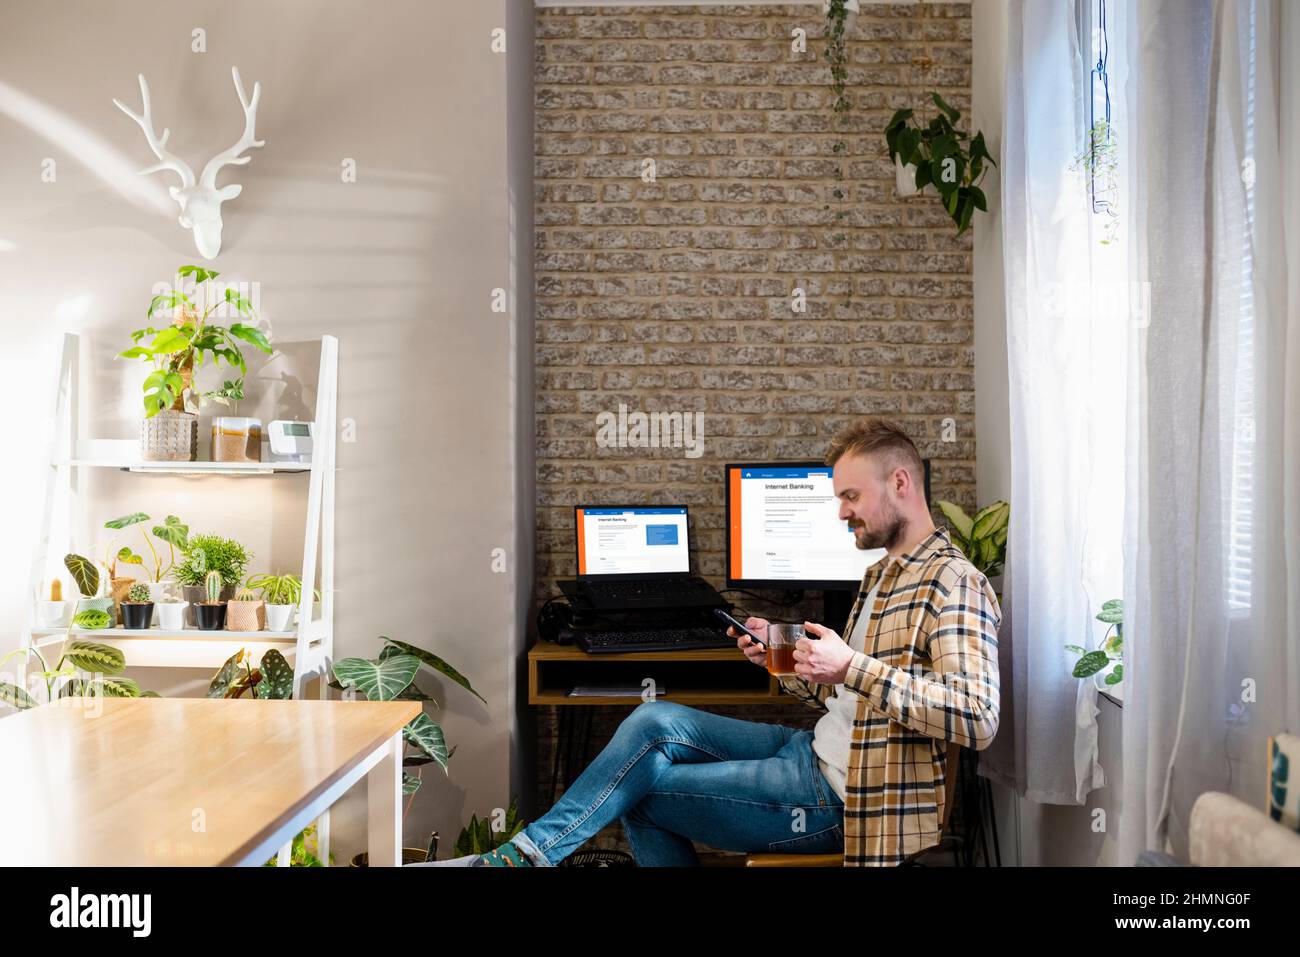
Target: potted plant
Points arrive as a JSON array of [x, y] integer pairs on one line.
[[478, 837], [137, 607], [282, 594], [245, 612], [1106, 664], [206, 552], [389, 677], [173, 532], [169, 430], [83, 669], [171, 609], [211, 612], [938, 156], [271, 680], [87, 577], [53, 612], [983, 539]]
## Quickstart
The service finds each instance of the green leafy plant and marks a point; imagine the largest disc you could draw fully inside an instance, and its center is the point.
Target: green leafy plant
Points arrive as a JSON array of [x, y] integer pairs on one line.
[[173, 532], [272, 680], [478, 837], [176, 349], [84, 573], [942, 159], [84, 669], [983, 539], [1111, 650], [1100, 160], [836, 56], [206, 552], [138, 594], [279, 589], [390, 677], [304, 850]]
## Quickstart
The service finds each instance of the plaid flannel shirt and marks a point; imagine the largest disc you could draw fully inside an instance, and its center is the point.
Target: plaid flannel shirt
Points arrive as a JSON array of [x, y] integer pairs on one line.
[[928, 675]]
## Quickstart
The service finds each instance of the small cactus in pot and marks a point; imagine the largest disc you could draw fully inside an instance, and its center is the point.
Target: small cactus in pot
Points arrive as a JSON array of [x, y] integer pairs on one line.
[[246, 612], [137, 607], [211, 613]]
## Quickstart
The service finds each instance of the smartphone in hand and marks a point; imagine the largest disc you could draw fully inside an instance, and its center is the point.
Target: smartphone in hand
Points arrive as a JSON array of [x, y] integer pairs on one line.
[[739, 627]]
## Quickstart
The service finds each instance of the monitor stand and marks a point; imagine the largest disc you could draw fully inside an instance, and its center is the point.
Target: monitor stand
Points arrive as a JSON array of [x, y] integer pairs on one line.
[[836, 605]]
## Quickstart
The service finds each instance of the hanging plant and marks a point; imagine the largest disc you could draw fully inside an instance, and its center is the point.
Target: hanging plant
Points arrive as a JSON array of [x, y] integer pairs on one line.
[[1100, 160], [944, 157], [836, 55]]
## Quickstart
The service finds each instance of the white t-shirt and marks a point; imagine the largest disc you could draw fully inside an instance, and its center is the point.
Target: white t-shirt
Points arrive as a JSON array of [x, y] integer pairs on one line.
[[834, 730]]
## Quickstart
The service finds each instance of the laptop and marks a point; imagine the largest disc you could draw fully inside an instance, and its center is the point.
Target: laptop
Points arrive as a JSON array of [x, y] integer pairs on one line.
[[638, 556]]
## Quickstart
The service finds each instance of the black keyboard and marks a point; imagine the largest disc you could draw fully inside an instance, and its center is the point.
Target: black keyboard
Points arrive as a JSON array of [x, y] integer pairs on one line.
[[648, 590], [651, 639]]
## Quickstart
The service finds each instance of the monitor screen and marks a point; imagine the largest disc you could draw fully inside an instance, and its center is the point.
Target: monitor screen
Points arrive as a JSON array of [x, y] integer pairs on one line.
[[633, 541], [784, 530]]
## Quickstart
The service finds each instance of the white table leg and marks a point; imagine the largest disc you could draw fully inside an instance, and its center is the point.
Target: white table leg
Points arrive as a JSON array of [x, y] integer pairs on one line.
[[323, 837], [384, 794], [282, 858]]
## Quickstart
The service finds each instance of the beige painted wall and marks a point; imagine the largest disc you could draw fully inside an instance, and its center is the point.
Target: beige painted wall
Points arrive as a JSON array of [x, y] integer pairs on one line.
[[400, 265]]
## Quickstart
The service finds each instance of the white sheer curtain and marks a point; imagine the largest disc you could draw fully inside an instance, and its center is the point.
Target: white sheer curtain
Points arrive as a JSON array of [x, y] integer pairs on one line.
[[1067, 308], [1212, 541]]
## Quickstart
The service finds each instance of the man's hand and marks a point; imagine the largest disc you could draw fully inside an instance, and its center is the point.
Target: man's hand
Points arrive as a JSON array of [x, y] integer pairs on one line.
[[823, 660], [753, 651]]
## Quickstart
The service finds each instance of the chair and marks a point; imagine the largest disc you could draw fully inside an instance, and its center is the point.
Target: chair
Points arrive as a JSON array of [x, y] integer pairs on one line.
[[837, 859]]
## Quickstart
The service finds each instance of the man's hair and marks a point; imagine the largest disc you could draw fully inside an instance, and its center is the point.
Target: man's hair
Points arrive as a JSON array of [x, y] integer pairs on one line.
[[879, 437]]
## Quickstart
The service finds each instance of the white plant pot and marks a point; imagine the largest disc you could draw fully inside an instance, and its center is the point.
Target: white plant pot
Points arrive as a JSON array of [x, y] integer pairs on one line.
[[905, 179], [54, 614], [157, 593], [279, 617], [171, 615]]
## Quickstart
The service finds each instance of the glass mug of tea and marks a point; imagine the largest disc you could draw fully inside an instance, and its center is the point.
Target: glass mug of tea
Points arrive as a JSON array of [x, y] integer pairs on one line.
[[781, 639]]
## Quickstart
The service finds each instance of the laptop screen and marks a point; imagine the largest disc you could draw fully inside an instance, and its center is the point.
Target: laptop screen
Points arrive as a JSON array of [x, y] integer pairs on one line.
[[632, 541]]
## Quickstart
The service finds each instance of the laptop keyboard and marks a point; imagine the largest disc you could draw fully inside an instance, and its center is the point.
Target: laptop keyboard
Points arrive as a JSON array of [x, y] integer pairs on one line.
[[645, 589], [651, 639]]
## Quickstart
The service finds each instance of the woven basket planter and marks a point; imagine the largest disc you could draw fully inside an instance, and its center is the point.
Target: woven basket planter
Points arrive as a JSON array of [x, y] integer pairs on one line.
[[245, 615], [170, 436]]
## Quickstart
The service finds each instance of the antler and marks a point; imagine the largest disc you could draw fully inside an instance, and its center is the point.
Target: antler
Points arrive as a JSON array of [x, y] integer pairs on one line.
[[166, 160], [231, 156]]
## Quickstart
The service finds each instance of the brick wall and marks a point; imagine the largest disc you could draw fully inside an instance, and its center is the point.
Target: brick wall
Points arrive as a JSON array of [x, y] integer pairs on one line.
[[676, 295]]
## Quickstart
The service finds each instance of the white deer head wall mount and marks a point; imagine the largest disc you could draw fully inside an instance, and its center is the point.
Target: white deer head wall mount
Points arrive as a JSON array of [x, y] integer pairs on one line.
[[200, 201]]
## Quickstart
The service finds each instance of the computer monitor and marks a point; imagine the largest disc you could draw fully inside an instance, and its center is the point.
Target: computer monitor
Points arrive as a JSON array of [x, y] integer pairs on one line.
[[784, 530], [635, 541]]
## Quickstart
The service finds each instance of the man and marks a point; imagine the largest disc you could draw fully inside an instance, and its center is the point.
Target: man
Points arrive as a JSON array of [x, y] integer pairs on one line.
[[919, 670]]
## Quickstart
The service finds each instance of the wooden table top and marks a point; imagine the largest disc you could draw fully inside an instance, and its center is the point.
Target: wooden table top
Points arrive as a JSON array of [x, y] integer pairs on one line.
[[173, 781]]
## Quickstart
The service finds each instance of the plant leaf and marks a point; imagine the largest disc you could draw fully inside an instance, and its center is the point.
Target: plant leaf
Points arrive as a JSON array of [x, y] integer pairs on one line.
[[957, 517], [1090, 664], [11, 694], [989, 519], [428, 737], [95, 657], [410, 783], [251, 335], [225, 676], [277, 678], [378, 680], [84, 573], [436, 663], [92, 619]]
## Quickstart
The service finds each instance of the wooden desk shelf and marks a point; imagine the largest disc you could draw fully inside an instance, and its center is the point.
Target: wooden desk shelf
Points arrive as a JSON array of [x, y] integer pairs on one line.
[[721, 676]]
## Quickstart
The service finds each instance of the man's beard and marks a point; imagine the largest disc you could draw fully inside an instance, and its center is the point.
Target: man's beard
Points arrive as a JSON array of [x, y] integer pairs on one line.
[[887, 537]]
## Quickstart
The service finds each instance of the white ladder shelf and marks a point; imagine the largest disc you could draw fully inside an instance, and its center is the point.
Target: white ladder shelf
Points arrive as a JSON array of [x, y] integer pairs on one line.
[[310, 646]]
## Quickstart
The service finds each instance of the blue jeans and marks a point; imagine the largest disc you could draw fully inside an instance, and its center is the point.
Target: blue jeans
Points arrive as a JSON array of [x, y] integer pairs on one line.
[[674, 774]]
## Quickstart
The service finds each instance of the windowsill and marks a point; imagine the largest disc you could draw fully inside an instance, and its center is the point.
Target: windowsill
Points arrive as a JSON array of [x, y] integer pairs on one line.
[[1117, 702]]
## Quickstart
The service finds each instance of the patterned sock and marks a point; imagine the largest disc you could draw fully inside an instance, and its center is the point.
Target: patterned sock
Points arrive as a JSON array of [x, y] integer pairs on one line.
[[507, 855]]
